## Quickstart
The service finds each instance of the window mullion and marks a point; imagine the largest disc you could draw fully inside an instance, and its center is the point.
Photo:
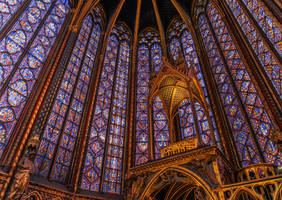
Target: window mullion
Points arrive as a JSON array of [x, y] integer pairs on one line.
[[268, 43], [153, 142], [233, 85], [109, 120], [9, 78], [70, 103], [79, 147], [13, 19]]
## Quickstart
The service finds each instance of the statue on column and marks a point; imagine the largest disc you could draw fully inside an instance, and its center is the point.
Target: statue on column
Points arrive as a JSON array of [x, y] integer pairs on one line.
[[24, 170]]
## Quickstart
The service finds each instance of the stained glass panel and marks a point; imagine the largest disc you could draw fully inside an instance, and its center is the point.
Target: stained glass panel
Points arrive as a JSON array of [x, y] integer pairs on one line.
[[96, 145], [52, 133], [156, 54], [149, 59], [259, 118], [23, 77], [264, 54], [13, 45], [160, 126], [71, 127], [142, 132], [187, 122], [108, 126], [114, 155], [244, 142], [267, 22], [7, 9], [180, 38]]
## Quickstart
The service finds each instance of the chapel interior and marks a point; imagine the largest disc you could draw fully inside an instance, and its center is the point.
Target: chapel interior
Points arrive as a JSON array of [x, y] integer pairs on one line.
[[140, 100]]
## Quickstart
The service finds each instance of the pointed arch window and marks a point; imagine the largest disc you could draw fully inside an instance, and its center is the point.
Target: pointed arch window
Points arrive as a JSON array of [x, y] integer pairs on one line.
[[59, 136], [24, 50], [148, 60], [247, 115], [192, 116], [270, 26], [103, 164]]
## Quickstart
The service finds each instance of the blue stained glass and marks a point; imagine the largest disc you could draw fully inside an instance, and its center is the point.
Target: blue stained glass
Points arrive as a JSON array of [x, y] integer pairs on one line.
[[267, 21], [149, 44], [12, 46], [7, 9], [241, 136], [247, 91], [24, 77], [64, 97], [160, 127], [117, 123], [75, 82], [142, 133], [180, 38], [264, 54], [117, 69], [156, 57]]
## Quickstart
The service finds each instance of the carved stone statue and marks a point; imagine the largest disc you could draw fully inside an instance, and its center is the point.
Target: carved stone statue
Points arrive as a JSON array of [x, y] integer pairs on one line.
[[24, 170], [135, 183]]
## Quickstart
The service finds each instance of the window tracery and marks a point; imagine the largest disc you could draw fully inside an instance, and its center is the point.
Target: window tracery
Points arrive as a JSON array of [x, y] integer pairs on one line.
[[59, 137], [180, 40], [270, 26], [246, 113], [103, 165], [149, 60], [23, 53]]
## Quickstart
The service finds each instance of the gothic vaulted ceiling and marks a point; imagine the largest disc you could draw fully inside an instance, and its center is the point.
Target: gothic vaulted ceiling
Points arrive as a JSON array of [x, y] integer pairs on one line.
[[147, 16]]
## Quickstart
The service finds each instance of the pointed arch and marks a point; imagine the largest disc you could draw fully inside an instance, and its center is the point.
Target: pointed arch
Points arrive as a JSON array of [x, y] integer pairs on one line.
[[103, 166], [34, 195], [185, 172], [59, 136], [193, 119], [149, 60], [246, 192]]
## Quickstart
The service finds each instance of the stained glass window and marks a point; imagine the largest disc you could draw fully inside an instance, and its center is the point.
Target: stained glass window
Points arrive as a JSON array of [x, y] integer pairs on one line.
[[180, 40], [108, 127], [267, 21], [59, 137], [160, 127], [257, 41], [148, 59], [7, 9], [142, 129], [36, 30], [235, 86]]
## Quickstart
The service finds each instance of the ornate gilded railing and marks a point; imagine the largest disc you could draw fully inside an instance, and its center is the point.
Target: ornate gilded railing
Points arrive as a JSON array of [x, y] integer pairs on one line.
[[257, 171], [179, 147]]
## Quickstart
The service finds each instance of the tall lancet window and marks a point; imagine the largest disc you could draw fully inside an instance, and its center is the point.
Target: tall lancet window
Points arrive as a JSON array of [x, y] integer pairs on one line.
[[149, 59], [103, 165], [192, 116], [248, 118], [23, 52], [55, 153], [269, 25]]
